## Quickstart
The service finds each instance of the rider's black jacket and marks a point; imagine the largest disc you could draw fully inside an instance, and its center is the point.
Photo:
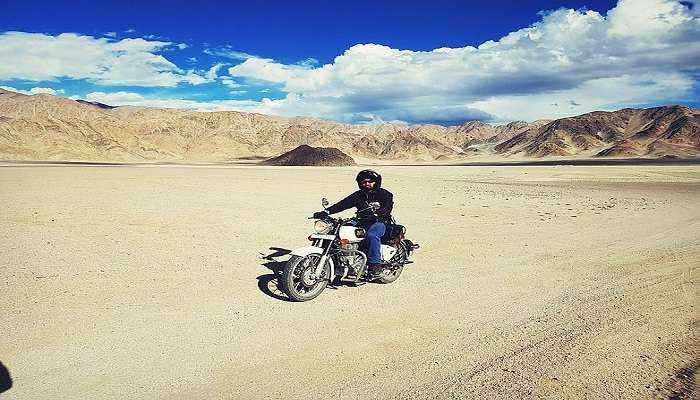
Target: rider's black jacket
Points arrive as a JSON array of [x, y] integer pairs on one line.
[[361, 199]]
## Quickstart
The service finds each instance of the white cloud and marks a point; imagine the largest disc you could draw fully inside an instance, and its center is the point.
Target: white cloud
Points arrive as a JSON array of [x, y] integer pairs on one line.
[[115, 98], [606, 94], [194, 78], [130, 62], [214, 70], [134, 99], [268, 70], [309, 62], [642, 51], [228, 52], [230, 83], [35, 90], [111, 34], [658, 18]]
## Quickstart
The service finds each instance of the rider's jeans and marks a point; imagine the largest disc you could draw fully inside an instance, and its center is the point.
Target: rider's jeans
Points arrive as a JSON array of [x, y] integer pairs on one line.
[[374, 234]]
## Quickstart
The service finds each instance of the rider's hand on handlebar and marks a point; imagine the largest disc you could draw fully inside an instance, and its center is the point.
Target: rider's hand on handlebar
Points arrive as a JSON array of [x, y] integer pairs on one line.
[[321, 214]]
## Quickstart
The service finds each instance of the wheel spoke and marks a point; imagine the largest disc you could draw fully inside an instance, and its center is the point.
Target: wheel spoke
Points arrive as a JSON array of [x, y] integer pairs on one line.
[[299, 285]]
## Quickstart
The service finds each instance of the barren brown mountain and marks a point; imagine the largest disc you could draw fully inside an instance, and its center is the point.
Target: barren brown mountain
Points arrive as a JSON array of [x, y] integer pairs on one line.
[[46, 127], [655, 132]]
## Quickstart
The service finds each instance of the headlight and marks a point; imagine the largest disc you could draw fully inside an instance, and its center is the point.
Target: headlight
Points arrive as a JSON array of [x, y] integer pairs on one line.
[[322, 227]]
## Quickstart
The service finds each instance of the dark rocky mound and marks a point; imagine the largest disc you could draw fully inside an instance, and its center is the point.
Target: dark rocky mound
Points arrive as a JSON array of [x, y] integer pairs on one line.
[[307, 155]]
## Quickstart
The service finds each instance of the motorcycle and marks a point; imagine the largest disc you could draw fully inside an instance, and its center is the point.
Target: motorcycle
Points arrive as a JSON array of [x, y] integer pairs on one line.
[[337, 254]]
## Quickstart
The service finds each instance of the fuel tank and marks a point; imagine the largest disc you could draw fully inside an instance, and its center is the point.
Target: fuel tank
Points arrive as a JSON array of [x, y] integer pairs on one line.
[[352, 233]]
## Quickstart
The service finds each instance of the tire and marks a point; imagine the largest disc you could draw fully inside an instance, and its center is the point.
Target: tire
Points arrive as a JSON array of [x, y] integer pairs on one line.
[[292, 280], [389, 275]]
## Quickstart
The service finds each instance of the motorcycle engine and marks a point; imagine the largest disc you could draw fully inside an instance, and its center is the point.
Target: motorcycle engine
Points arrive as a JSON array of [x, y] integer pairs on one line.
[[352, 258], [349, 247]]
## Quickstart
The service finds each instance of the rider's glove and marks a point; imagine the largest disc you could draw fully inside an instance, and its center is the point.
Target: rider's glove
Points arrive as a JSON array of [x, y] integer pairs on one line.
[[321, 214]]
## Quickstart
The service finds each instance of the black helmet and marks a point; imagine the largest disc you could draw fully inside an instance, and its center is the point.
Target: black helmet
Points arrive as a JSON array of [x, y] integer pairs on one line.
[[371, 175]]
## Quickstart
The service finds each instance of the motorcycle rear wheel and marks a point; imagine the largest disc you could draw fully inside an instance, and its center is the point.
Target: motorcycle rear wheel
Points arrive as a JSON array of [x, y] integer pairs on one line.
[[388, 275], [295, 280]]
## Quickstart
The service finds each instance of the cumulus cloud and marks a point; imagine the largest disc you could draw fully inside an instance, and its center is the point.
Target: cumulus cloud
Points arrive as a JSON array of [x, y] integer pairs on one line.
[[34, 90], [642, 51], [103, 61], [268, 70]]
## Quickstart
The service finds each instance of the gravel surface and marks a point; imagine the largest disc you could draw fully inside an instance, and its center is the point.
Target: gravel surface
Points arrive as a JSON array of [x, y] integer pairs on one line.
[[532, 282]]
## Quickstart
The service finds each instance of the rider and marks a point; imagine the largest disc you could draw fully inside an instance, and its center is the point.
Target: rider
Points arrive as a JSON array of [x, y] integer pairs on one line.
[[374, 222]]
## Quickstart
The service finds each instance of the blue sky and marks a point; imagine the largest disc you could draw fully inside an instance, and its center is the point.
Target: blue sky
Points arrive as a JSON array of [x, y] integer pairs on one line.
[[361, 62]]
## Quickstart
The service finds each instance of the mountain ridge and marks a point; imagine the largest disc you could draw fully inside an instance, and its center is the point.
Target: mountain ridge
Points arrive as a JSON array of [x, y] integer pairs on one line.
[[47, 127]]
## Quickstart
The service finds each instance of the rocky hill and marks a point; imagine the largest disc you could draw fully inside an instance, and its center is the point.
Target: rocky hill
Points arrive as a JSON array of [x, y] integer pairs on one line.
[[46, 127], [307, 155]]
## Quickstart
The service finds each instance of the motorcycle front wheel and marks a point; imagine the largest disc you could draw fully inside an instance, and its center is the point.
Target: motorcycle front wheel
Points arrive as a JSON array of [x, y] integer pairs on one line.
[[296, 280]]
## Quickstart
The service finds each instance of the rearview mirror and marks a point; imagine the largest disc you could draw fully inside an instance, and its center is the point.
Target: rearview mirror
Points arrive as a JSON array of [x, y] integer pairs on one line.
[[324, 202]]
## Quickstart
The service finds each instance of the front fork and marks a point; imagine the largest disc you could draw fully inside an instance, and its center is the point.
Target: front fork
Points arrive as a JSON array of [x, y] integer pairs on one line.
[[324, 256], [318, 271]]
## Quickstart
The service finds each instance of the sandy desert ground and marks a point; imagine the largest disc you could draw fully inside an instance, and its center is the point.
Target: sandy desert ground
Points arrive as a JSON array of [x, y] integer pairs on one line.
[[532, 282]]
